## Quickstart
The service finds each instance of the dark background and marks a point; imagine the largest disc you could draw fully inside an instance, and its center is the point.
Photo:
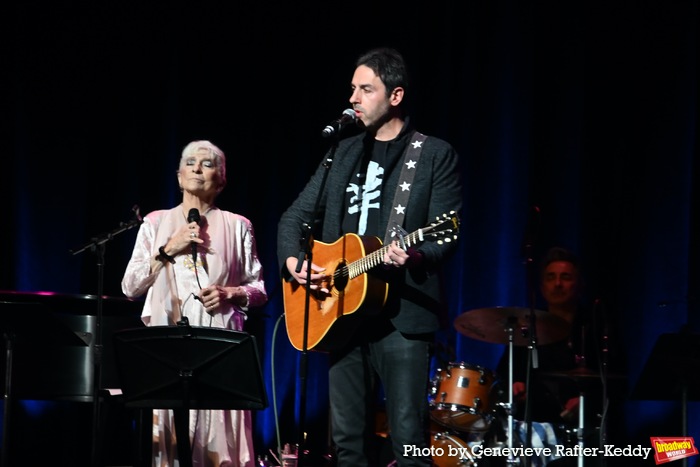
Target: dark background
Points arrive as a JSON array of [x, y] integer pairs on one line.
[[587, 110]]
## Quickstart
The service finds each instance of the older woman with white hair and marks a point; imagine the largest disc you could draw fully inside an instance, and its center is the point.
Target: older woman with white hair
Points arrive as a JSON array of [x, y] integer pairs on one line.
[[198, 262]]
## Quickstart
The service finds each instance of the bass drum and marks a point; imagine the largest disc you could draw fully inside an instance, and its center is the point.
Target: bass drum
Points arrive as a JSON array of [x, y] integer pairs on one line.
[[461, 397], [453, 451]]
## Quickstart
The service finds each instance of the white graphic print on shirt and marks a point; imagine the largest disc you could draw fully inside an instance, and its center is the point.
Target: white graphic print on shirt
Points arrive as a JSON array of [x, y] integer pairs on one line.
[[365, 196]]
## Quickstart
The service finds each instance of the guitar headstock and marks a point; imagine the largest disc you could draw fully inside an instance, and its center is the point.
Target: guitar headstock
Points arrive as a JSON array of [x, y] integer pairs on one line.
[[445, 228]]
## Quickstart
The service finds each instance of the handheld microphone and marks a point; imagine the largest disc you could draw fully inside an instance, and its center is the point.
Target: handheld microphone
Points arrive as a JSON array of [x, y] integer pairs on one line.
[[193, 216], [336, 125]]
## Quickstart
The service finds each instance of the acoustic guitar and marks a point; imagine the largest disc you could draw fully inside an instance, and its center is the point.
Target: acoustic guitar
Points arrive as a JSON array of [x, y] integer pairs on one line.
[[352, 293]]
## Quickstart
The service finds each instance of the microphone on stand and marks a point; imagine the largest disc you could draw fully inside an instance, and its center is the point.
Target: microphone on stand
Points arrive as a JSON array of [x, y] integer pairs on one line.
[[337, 125]]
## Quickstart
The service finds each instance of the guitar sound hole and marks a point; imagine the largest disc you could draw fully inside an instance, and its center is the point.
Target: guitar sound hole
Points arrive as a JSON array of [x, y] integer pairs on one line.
[[340, 277]]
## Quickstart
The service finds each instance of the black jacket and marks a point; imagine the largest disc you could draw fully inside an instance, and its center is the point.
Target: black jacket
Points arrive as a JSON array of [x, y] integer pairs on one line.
[[414, 304]]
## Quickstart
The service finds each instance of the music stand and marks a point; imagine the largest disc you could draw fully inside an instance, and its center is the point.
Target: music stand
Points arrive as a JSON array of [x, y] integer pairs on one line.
[[185, 367], [678, 355]]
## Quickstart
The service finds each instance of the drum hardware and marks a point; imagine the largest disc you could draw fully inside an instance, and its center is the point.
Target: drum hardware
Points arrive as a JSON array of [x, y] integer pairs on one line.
[[476, 403], [511, 326], [588, 381], [581, 427]]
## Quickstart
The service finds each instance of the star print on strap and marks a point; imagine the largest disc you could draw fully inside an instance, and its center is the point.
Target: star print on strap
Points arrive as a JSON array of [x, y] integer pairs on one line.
[[403, 190]]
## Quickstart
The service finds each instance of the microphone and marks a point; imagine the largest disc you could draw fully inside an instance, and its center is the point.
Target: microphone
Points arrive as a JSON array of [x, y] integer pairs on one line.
[[193, 216], [336, 125]]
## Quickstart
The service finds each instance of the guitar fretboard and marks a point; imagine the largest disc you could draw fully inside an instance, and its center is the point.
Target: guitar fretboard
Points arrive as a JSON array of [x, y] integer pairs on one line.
[[374, 259]]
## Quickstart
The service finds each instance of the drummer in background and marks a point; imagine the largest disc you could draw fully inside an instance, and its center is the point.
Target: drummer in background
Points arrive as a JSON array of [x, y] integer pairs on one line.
[[553, 400]]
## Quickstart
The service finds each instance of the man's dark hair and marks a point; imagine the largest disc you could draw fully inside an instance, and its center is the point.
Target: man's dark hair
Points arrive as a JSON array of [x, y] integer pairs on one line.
[[389, 65], [558, 253]]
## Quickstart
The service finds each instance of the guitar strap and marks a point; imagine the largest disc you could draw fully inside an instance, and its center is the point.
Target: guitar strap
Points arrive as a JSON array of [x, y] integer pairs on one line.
[[403, 189]]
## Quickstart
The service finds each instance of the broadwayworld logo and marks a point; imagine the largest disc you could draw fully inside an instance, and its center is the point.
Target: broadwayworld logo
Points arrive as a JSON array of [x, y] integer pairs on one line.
[[672, 449]]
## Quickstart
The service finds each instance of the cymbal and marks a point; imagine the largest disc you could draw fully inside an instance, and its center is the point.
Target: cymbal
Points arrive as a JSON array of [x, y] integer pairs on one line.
[[493, 324], [581, 374]]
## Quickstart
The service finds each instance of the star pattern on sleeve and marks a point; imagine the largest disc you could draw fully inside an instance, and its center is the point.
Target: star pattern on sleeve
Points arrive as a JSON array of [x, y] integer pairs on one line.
[[411, 164], [400, 209], [405, 186]]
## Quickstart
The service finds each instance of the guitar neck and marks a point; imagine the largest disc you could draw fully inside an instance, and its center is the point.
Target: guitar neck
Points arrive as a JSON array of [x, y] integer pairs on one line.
[[374, 259]]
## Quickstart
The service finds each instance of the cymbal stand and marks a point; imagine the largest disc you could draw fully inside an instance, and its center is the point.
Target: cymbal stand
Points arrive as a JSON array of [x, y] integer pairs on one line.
[[510, 329], [531, 235], [532, 362], [581, 427]]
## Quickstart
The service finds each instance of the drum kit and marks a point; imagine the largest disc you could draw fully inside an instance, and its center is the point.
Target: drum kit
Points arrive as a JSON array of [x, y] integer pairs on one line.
[[465, 399], [461, 411]]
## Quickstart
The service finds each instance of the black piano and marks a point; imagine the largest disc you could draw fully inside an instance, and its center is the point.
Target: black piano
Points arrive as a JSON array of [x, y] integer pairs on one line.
[[52, 338], [49, 342]]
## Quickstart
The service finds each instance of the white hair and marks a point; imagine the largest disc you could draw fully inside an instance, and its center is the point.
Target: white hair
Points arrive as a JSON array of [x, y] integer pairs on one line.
[[217, 155]]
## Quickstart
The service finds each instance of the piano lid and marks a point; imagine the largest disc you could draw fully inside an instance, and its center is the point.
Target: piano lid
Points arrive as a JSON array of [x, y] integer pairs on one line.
[[75, 304]]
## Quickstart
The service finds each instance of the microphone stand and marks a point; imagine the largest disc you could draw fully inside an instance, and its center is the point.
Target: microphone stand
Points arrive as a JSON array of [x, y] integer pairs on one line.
[[97, 246], [305, 254]]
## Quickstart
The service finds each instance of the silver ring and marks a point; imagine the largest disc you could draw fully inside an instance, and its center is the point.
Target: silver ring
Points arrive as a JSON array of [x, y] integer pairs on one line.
[[193, 234]]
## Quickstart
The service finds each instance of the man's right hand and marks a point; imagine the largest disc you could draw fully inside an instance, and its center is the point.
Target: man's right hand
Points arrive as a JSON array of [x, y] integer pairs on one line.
[[318, 278]]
